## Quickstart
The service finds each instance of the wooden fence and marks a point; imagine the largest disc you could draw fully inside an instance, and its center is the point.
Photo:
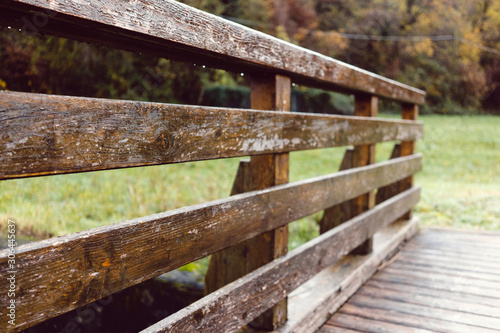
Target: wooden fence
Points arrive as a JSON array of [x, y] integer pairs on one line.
[[247, 232]]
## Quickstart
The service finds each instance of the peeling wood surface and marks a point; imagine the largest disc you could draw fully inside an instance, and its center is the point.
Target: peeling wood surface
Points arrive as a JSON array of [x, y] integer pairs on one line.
[[173, 30], [76, 269], [231, 307], [47, 134]]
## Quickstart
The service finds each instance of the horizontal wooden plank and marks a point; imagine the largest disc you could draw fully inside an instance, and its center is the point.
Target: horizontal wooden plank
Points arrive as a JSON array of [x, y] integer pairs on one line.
[[438, 285], [489, 239], [455, 252], [238, 303], [441, 302], [491, 267], [469, 234], [173, 30], [362, 324], [462, 243], [391, 316], [47, 134], [336, 329], [435, 293], [443, 277], [76, 269], [426, 311], [429, 267], [456, 246]]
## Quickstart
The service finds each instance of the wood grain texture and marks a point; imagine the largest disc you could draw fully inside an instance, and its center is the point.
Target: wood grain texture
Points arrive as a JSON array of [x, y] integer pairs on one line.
[[452, 296], [425, 311], [47, 134], [428, 267], [413, 322], [233, 306], [77, 269], [173, 30], [364, 106], [342, 320]]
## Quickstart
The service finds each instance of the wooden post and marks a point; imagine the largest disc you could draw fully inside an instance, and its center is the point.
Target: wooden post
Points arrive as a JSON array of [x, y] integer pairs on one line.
[[409, 112], [364, 106], [262, 171]]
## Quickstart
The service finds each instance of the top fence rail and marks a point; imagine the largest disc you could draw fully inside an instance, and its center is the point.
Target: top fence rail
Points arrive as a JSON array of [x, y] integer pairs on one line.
[[173, 30]]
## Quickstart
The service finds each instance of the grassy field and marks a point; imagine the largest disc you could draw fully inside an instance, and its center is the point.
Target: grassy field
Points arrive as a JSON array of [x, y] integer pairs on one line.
[[461, 174], [460, 181]]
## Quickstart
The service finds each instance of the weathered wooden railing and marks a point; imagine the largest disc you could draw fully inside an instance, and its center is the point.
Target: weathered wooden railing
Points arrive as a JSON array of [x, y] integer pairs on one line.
[[46, 135]]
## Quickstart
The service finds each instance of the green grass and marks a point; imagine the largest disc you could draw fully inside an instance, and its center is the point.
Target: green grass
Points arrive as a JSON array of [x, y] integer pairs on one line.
[[461, 175], [460, 181]]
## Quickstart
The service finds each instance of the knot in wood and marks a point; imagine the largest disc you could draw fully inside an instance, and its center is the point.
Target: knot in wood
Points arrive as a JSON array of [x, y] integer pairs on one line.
[[143, 109], [164, 141]]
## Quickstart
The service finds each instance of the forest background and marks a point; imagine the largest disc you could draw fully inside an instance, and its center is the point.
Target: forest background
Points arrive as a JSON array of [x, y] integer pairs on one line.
[[449, 48]]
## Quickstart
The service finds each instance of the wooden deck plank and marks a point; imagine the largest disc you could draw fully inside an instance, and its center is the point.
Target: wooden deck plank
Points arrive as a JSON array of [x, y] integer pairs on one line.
[[435, 293], [411, 320], [343, 320], [332, 329], [459, 239], [442, 287], [414, 297], [405, 307], [462, 234], [429, 268], [458, 244], [455, 263], [437, 276], [438, 284], [463, 253]]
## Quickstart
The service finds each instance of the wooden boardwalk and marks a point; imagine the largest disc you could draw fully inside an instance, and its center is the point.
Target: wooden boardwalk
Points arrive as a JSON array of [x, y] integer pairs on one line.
[[442, 281]]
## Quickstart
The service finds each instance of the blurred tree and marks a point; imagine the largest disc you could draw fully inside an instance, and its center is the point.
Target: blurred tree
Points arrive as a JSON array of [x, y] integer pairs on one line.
[[460, 74]]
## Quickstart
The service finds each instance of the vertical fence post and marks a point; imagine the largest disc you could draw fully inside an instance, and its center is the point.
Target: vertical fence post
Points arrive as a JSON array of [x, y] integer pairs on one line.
[[364, 106], [409, 112], [271, 92]]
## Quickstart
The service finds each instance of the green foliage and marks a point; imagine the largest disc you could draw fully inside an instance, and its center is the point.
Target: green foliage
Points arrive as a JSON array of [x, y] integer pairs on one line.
[[458, 76], [221, 95], [320, 101]]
